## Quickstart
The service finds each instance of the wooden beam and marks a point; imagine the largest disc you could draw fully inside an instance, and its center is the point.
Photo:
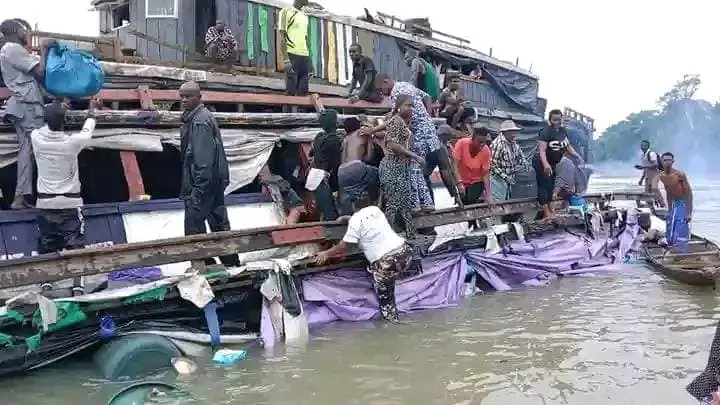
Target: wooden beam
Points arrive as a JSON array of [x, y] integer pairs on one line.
[[89, 261], [713, 254], [133, 176], [225, 97], [164, 118]]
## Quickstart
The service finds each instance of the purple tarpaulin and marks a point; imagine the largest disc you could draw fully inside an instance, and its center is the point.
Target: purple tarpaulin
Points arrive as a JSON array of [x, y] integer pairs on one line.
[[348, 295]]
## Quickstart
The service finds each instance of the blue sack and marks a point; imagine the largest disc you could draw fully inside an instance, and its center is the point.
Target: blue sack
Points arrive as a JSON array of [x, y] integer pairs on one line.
[[72, 73]]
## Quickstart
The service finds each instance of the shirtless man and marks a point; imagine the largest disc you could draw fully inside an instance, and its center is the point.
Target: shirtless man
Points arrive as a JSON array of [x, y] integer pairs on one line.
[[356, 178], [451, 104], [680, 204]]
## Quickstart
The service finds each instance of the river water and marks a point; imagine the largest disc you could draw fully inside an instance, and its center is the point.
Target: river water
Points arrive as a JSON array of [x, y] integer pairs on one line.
[[622, 339]]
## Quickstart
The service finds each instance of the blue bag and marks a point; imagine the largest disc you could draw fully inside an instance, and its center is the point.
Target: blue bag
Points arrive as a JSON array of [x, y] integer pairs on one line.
[[72, 73]]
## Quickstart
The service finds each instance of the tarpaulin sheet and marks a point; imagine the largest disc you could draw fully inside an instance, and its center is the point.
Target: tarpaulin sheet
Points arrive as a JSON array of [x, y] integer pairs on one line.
[[579, 133], [522, 90], [348, 295], [247, 149]]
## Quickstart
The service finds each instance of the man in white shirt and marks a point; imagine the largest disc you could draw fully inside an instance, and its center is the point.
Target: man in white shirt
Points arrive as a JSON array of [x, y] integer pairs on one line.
[[386, 251], [650, 166], [59, 201]]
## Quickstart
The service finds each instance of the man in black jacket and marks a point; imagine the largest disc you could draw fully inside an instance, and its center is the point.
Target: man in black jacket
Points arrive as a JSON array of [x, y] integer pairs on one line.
[[326, 153], [205, 173]]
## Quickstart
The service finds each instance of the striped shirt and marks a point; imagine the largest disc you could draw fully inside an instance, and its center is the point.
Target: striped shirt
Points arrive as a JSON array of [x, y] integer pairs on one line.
[[507, 159]]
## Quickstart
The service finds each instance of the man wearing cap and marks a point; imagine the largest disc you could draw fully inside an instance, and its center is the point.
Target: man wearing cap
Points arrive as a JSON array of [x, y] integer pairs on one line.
[[507, 160]]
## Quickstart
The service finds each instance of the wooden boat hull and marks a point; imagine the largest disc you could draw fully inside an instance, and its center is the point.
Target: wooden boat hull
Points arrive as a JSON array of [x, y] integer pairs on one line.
[[699, 267]]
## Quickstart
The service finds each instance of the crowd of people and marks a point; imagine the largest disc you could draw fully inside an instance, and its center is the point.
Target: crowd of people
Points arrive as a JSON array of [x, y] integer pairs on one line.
[[385, 164]]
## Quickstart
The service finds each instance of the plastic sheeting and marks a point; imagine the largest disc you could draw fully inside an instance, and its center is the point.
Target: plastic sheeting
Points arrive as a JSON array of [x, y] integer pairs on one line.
[[348, 295], [521, 89], [247, 149]]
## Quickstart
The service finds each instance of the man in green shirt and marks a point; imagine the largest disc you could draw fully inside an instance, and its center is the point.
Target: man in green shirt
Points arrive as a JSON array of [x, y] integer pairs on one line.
[[293, 32]]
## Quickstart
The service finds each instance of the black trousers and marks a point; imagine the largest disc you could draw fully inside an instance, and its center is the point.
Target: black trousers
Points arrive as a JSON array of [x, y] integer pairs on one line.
[[474, 194], [61, 230], [545, 183], [371, 96], [210, 208], [297, 79]]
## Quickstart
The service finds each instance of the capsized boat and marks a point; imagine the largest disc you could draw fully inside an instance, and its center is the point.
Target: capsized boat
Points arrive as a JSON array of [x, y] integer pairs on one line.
[[178, 315]]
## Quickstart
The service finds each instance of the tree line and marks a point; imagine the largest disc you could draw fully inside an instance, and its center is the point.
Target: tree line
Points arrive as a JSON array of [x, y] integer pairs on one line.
[[678, 123]]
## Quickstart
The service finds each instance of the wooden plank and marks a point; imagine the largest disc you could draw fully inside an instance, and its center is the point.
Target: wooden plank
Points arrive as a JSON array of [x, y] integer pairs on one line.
[[186, 28], [714, 254], [454, 215], [133, 176], [74, 263], [223, 97], [164, 119]]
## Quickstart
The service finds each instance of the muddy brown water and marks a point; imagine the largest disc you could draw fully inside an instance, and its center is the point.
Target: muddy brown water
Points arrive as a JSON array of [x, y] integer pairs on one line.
[[632, 338]]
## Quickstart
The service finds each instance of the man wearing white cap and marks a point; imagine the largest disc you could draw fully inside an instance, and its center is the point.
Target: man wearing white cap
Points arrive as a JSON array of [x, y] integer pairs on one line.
[[507, 160]]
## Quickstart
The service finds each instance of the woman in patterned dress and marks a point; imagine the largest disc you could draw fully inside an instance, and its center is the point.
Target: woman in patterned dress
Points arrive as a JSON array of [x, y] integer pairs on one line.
[[395, 171], [424, 136]]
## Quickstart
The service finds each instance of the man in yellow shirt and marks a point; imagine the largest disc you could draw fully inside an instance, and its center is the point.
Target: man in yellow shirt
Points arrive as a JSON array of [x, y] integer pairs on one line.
[[293, 31]]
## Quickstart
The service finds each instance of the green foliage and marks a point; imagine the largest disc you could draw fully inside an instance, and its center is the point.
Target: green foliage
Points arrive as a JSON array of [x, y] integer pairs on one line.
[[683, 89], [680, 124]]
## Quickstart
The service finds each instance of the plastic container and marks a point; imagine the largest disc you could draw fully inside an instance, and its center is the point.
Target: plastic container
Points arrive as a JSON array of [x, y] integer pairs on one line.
[[229, 356], [107, 327]]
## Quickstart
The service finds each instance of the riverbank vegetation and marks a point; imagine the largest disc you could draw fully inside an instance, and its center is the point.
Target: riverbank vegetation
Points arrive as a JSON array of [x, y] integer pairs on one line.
[[688, 127]]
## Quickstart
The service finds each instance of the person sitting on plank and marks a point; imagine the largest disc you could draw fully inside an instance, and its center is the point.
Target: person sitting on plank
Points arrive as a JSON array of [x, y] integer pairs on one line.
[[387, 252], [680, 204], [220, 44], [363, 75]]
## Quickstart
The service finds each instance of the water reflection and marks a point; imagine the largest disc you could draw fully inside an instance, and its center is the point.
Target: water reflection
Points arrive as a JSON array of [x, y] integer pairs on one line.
[[622, 339]]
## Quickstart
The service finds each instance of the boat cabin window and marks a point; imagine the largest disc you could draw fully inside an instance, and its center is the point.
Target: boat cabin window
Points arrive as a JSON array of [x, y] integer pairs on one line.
[[161, 8], [120, 16]]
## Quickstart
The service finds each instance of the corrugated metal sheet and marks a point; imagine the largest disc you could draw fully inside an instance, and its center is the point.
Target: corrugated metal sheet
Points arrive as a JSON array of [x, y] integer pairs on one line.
[[484, 95], [389, 58]]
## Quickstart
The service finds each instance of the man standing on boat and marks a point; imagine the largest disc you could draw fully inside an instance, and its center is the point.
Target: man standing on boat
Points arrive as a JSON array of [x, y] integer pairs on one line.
[[23, 73], [650, 165], [205, 172], [59, 218], [293, 33], [552, 145], [363, 74], [507, 161], [680, 204], [326, 154]]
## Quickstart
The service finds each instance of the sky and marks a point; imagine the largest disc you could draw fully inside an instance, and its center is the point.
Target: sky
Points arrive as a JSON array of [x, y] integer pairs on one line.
[[603, 58]]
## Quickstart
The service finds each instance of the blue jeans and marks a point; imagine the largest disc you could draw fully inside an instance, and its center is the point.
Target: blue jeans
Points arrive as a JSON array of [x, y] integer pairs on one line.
[[326, 202]]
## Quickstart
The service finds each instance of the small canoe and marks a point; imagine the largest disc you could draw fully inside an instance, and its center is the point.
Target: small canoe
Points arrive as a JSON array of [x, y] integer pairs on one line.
[[700, 266]]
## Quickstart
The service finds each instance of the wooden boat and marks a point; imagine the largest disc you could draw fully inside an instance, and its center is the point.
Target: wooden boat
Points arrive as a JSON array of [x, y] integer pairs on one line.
[[700, 266]]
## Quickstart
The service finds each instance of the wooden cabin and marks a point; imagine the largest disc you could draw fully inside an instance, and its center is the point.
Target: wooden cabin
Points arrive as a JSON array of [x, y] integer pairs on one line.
[[172, 31]]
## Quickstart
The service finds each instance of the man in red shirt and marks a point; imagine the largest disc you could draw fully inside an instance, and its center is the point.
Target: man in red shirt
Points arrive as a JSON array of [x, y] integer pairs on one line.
[[472, 158]]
